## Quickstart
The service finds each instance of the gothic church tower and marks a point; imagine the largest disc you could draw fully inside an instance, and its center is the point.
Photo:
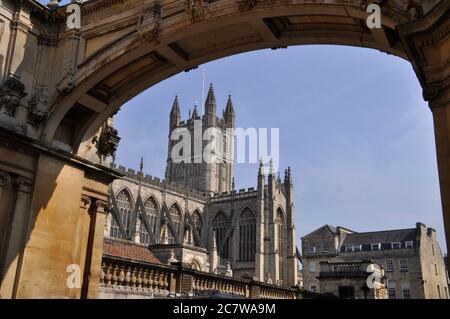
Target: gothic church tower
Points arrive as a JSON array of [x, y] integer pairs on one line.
[[197, 174]]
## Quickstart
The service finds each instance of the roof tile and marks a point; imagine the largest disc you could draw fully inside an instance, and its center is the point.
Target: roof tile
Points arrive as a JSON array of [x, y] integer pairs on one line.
[[128, 250]]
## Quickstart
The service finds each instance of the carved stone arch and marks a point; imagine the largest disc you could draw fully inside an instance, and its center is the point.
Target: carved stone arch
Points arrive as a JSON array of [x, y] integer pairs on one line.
[[247, 276], [176, 203], [130, 193], [281, 245], [199, 212], [197, 221], [121, 223], [220, 225], [248, 207], [195, 264], [219, 212], [176, 221], [151, 196], [278, 210], [150, 219]]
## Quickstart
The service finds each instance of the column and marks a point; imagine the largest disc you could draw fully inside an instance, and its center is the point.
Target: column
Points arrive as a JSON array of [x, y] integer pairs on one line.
[[94, 250], [16, 235], [439, 102]]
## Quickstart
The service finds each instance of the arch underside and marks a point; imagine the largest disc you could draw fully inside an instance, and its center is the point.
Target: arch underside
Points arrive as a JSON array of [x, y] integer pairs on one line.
[[122, 60]]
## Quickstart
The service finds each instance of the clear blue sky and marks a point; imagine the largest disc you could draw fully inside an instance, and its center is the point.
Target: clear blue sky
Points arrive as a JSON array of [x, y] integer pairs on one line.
[[353, 127]]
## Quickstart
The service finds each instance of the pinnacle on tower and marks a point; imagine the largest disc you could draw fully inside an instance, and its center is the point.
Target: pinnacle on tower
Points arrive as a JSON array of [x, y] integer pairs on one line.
[[195, 113], [210, 107], [229, 109], [287, 176], [211, 98], [229, 114], [261, 168], [175, 114], [175, 106]]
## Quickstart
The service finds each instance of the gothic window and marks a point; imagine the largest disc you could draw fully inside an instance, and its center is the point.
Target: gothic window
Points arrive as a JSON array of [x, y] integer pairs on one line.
[[196, 265], [151, 216], [220, 224], [123, 200], [175, 216], [279, 222], [198, 224], [247, 235]]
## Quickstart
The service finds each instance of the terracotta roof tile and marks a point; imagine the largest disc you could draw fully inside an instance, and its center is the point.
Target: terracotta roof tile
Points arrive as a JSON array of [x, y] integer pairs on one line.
[[128, 250]]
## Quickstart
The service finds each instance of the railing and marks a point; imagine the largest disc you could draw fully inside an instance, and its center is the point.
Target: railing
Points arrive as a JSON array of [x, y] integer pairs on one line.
[[344, 269], [210, 282], [143, 278], [128, 278], [347, 267]]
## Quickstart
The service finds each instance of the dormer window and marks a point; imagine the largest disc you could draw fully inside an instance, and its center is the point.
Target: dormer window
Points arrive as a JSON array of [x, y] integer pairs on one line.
[[409, 244], [376, 246], [312, 247], [325, 246], [357, 248], [396, 245]]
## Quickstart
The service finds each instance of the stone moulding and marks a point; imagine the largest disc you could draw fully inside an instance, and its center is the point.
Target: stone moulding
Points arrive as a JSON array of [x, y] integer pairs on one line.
[[11, 94], [246, 5], [38, 106]]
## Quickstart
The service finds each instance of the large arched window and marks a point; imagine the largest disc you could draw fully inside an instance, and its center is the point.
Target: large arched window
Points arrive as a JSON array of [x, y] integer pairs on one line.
[[175, 216], [220, 224], [124, 206], [280, 224], [247, 235], [198, 224], [151, 213]]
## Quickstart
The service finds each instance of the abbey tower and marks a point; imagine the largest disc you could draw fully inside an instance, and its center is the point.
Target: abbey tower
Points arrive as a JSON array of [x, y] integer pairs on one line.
[[192, 170]]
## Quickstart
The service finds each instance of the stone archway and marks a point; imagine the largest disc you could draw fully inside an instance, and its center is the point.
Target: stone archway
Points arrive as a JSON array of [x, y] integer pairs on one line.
[[59, 86]]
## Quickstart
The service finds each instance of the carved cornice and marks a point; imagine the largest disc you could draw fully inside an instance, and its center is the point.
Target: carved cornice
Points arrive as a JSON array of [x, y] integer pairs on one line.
[[22, 184], [20, 26], [195, 9], [150, 21], [246, 5], [46, 39], [38, 106], [5, 178], [12, 91], [423, 41], [101, 206], [432, 92], [85, 202], [92, 6]]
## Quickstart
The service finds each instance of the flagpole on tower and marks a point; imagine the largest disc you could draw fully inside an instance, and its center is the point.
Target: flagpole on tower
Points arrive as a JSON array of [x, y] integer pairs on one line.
[[203, 93]]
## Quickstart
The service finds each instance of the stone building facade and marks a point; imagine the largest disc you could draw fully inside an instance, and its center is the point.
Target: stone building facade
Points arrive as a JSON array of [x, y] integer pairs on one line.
[[196, 217], [411, 258], [349, 280]]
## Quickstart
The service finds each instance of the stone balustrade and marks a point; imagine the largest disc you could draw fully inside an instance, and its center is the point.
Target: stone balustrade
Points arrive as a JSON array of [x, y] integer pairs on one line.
[[122, 278], [136, 278]]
